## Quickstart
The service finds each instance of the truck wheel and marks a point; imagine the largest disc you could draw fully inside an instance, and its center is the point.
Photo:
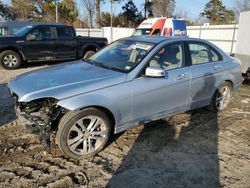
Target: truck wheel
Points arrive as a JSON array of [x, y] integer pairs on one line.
[[10, 60], [88, 54], [83, 133], [221, 97]]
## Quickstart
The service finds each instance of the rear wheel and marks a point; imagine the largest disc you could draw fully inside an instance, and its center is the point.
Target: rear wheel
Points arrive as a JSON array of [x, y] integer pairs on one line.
[[221, 97], [10, 60], [83, 133]]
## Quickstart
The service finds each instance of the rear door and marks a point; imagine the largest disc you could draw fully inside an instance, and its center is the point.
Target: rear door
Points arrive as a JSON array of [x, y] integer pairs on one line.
[[38, 44], [205, 68], [65, 46]]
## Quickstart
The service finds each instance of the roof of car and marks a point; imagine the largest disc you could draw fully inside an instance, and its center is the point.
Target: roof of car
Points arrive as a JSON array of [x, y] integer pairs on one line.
[[159, 39]]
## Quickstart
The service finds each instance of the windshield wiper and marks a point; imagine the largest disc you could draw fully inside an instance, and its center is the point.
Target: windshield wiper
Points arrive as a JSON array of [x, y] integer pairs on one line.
[[108, 66], [88, 61]]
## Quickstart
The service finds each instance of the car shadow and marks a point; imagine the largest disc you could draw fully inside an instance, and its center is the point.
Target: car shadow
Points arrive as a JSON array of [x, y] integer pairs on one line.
[[181, 151], [7, 111]]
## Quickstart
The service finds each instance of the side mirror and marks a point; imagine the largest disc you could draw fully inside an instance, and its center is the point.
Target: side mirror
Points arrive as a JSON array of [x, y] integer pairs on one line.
[[31, 37], [155, 72]]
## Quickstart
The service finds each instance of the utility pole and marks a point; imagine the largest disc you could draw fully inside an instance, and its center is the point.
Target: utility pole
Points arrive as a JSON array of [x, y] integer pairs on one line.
[[56, 12], [111, 21]]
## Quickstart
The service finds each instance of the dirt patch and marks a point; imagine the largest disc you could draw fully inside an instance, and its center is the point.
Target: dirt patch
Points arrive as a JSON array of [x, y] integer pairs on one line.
[[198, 149]]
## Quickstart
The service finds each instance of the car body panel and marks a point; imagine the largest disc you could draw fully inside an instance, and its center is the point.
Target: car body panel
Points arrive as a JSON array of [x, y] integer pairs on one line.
[[64, 80]]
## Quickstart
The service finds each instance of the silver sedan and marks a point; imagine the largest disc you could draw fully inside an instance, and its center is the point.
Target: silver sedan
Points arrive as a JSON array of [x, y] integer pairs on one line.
[[130, 82]]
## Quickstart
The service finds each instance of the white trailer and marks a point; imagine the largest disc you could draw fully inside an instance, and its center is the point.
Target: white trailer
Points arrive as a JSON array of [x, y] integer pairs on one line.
[[242, 50]]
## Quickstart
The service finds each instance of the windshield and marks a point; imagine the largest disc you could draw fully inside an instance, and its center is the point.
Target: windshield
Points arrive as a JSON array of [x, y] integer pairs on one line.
[[142, 32], [23, 31], [122, 55]]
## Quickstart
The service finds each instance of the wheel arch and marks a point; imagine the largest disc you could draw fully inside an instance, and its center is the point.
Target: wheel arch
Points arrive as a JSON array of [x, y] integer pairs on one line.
[[105, 110], [14, 50], [92, 47]]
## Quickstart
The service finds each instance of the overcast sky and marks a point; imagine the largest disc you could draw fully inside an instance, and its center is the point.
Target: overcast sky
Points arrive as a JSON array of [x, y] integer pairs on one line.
[[193, 7]]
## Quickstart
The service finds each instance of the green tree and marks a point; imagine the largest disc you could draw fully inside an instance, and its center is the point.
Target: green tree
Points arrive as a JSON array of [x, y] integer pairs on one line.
[[6, 12], [131, 14], [148, 9], [23, 9], [118, 21], [163, 8], [67, 12], [105, 19], [217, 13]]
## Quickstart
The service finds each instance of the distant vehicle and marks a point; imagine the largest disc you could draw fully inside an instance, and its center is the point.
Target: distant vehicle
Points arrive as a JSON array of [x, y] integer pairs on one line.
[[130, 82], [242, 50], [46, 42], [8, 28], [168, 27]]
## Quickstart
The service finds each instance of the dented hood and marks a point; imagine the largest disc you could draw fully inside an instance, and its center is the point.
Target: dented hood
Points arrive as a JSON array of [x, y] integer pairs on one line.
[[63, 81]]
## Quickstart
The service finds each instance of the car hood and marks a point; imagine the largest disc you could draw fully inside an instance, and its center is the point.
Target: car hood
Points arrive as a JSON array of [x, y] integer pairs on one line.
[[9, 38], [63, 81]]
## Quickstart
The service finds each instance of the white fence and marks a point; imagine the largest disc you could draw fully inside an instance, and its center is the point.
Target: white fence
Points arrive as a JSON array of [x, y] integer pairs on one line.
[[223, 36], [90, 32]]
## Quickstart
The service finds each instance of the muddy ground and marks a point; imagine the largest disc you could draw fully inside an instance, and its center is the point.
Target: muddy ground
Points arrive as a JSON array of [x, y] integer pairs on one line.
[[195, 149]]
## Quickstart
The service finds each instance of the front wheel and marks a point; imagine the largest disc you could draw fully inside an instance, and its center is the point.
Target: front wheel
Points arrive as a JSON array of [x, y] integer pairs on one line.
[[83, 133], [10, 60], [221, 97]]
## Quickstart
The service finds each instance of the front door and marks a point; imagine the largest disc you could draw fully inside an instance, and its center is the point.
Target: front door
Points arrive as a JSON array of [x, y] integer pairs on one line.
[[155, 97], [38, 44]]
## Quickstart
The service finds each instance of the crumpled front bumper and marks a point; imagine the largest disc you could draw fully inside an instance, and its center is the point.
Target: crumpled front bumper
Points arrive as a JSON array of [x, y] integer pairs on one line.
[[23, 117]]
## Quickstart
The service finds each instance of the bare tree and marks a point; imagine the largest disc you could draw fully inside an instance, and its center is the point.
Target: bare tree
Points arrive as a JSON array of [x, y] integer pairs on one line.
[[163, 8], [241, 5], [90, 7], [98, 13]]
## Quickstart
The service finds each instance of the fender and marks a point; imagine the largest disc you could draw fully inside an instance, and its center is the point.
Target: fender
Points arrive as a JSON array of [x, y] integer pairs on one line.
[[90, 100], [13, 48]]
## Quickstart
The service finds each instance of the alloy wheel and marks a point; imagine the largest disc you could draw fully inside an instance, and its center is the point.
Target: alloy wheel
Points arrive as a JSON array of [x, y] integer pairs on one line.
[[87, 135], [223, 97], [10, 60]]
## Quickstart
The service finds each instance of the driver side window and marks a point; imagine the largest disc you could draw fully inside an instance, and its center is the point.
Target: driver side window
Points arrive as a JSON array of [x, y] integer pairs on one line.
[[169, 57], [41, 34]]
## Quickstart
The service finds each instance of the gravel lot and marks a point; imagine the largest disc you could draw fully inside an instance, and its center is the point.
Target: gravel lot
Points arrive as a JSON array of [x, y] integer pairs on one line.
[[197, 149]]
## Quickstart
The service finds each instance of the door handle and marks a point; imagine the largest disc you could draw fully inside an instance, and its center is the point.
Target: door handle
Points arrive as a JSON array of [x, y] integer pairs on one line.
[[182, 76]]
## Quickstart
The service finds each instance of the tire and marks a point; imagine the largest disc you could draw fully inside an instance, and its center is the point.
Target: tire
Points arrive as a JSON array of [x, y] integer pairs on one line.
[[77, 139], [88, 54], [10, 60], [220, 99]]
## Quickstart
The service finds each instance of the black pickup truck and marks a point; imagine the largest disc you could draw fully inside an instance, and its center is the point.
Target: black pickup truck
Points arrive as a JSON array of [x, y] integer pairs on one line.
[[46, 42]]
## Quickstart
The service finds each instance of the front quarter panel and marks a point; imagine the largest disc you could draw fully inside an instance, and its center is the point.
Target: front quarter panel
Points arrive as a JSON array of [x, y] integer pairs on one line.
[[116, 99]]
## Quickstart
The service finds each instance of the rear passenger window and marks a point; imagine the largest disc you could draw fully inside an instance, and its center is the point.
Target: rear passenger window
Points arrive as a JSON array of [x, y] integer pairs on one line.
[[199, 53], [63, 32], [215, 56]]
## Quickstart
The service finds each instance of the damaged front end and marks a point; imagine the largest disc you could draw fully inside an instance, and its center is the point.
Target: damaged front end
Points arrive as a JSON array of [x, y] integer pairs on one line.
[[39, 115]]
